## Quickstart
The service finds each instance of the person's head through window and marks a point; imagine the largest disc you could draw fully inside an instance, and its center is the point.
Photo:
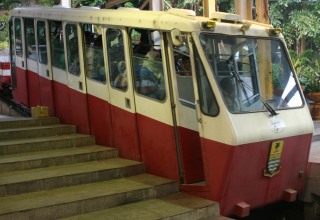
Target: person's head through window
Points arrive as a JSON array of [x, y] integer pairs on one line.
[[227, 86], [229, 93]]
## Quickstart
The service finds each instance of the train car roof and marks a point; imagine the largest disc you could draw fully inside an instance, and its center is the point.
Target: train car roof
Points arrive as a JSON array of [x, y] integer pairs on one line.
[[184, 20]]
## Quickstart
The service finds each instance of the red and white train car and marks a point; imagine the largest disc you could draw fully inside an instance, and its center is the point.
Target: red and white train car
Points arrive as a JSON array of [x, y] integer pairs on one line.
[[5, 76], [212, 102]]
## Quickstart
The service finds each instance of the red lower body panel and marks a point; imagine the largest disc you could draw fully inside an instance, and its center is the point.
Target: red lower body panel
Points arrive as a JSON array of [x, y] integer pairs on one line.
[[100, 120], [61, 102], [20, 94], [33, 89], [191, 155], [158, 148], [125, 132], [235, 174], [46, 97]]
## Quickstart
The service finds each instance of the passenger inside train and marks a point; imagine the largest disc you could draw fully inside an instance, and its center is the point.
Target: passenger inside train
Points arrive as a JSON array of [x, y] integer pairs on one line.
[[229, 93]]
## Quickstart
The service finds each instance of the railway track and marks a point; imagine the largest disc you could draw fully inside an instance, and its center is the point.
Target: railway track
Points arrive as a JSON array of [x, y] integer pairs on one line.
[[21, 109]]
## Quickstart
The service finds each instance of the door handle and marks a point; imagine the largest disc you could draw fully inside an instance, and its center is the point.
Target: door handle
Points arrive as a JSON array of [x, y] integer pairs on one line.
[[128, 104], [199, 119], [80, 85]]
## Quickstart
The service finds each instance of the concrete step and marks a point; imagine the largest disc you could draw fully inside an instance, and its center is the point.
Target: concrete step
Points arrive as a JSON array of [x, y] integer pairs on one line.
[[17, 182], [32, 160], [174, 206], [68, 201], [36, 131], [44, 143], [19, 122], [49, 172]]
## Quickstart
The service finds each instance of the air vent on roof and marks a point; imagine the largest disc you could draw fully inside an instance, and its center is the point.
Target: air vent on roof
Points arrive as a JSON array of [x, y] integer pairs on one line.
[[59, 6], [181, 12], [226, 17], [88, 7]]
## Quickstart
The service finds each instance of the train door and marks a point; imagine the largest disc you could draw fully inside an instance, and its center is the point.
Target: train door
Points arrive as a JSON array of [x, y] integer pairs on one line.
[[97, 90], [20, 89], [76, 83], [44, 66], [153, 102], [59, 74], [32, 62], [190, 153], [122, 102], [70, 98]]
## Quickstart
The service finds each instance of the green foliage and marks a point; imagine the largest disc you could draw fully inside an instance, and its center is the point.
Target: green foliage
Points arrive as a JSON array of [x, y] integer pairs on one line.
[[307, 67], [226, 6], [297, 19], [47, 3], [4, 35]]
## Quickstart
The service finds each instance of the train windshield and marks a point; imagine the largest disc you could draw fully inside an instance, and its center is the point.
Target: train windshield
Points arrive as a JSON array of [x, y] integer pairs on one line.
[[253, 73]]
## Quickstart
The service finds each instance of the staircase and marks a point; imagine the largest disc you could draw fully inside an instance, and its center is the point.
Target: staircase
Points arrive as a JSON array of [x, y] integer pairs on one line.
[[48, 171]]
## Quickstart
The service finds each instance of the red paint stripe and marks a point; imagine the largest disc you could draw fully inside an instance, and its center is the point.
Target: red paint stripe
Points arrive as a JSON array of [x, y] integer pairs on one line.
[[5, 66]]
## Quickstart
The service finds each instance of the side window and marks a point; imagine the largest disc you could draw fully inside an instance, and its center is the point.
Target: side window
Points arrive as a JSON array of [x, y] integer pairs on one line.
[[42, 42], [72, 49], [208, 101], [147, 63], [57, 45], [116, 59], [93, 50], [183, 74], [18, 37], [30, 39]]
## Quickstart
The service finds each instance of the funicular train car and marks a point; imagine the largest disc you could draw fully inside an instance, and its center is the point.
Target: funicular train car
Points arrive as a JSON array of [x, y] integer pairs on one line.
[[212, 102]]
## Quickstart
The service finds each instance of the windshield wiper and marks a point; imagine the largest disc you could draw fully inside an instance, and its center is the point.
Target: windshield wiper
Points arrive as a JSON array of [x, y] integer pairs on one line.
[[243, 84]]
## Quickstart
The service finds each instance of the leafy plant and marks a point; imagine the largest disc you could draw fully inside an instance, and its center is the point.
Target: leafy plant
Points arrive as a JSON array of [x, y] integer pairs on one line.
[[310, 77], [276, 73], [4, 36]]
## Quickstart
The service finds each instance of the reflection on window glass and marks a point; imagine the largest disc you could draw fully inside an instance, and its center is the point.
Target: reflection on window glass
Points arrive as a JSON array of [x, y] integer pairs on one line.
[[57, 45], [147, 63], [30, 39], [208, 103], [253, 73], [183, 74], [42, 42], [72, 49], [18, 35], [116, 59], [93, 50]]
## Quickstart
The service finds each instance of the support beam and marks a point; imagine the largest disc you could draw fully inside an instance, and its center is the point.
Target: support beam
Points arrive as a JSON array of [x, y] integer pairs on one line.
[[243, 8], [262, 11], [209, 6], [66, 3], [155, 5]]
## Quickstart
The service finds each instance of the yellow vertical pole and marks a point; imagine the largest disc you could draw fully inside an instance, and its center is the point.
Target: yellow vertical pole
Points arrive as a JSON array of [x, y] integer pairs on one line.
[[264, 51], [209, 6], [65, 3], [243, 8], [262, 11], [155, 5]]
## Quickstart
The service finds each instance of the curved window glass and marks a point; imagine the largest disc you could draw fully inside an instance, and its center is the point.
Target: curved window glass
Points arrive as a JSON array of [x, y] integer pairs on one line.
[[30, 39], [42, 42], [116, 59], [147, 63], [253, 73], [57, 45], [18, 37], [72, 49], [93, 49]]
